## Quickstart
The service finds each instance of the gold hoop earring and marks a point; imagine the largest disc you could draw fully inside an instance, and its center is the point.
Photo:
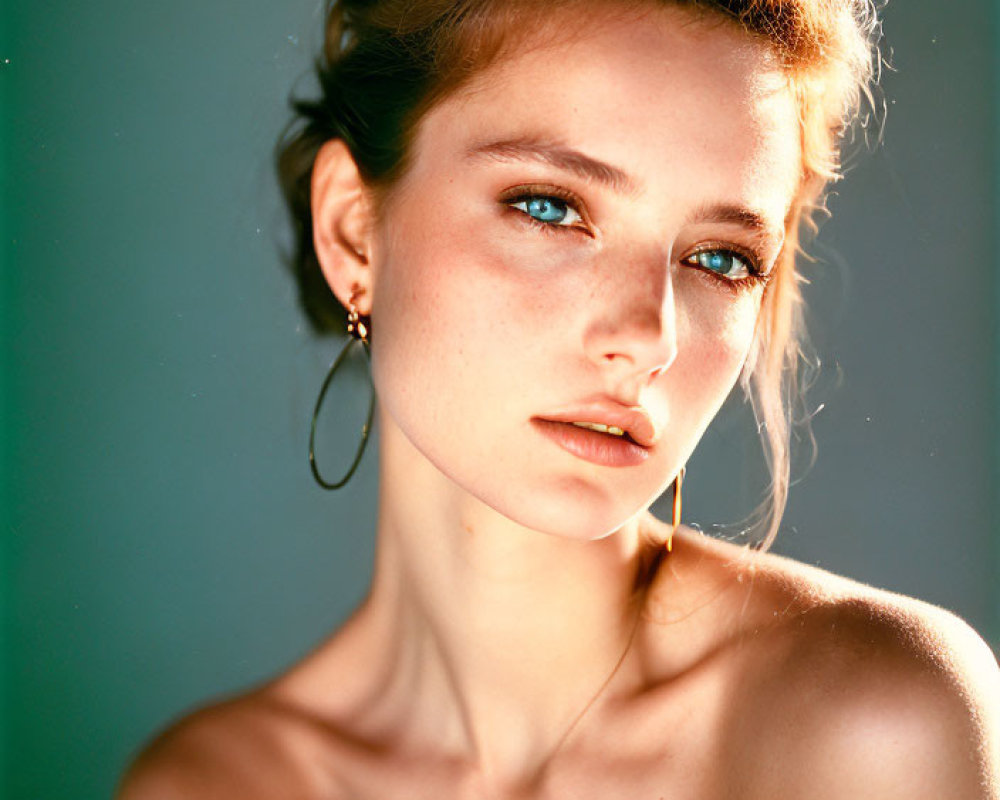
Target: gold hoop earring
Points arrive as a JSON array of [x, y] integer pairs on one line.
[[675, 517], [357, 327]]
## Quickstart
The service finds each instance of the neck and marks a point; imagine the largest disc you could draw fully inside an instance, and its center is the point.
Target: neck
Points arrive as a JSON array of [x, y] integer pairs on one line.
[[497, 637]]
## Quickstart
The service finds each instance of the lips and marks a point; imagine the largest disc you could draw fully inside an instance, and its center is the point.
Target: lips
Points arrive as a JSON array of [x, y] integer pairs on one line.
[[633, 420], [605, 449]]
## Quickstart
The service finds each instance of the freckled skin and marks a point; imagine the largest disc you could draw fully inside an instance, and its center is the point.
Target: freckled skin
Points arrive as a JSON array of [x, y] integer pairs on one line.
[[472, 301]]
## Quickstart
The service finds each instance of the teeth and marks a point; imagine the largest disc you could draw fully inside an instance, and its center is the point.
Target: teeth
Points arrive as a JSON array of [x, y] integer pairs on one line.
[[597, 426]]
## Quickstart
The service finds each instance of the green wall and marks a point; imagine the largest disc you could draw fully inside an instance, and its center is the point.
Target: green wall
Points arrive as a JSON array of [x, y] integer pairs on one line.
[[166, 541], [6, 643]]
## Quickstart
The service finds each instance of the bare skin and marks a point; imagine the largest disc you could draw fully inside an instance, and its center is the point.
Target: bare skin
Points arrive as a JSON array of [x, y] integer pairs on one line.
[[790, 682], [525, 636]]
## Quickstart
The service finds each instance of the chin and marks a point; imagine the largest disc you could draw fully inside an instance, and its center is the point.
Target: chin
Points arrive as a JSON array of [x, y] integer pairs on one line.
[[578, 511]]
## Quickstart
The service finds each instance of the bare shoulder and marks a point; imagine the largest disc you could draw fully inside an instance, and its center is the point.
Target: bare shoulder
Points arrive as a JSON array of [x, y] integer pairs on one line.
[[851, 692], [252, 746]]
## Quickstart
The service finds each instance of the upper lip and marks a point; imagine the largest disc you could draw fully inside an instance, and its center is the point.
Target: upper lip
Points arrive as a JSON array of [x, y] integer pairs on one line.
[[634, 420]]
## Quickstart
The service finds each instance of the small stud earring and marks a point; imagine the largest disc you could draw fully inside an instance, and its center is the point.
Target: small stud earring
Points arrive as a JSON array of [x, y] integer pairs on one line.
[[355, 327]]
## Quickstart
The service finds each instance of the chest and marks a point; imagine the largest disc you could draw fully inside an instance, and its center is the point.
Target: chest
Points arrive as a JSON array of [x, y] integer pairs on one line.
[[692, 738], [611, 779], [652, 756]]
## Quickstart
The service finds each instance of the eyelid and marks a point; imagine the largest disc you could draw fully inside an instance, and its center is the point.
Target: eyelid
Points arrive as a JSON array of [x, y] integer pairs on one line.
[[755, 277], [531, 190], [753, 260]]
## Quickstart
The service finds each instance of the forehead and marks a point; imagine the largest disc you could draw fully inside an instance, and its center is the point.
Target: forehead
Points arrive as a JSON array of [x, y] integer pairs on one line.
[[667, 96]]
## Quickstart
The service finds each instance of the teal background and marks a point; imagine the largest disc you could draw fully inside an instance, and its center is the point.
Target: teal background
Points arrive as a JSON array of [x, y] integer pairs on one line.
[[163, 542]]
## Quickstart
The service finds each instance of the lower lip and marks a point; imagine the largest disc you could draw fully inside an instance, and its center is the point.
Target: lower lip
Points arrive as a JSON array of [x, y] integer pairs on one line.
[[597, 448]]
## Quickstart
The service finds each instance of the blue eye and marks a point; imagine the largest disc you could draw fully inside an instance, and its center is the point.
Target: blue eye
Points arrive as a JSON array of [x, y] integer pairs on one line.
[[730, 269], [726, 263], [550, 211]]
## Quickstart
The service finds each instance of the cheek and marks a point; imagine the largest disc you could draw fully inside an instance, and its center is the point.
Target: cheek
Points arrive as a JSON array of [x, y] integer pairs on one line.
[[492, 286], [447, 304], [720, 333]]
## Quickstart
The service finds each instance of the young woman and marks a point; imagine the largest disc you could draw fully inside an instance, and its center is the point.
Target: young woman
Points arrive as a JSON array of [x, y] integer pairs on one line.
[[567, 230]]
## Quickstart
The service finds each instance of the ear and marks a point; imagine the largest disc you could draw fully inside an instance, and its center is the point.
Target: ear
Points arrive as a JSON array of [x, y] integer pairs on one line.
[[342, 223]]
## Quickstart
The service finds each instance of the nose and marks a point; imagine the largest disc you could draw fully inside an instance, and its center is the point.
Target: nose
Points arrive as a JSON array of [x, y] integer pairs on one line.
[[633, 338]]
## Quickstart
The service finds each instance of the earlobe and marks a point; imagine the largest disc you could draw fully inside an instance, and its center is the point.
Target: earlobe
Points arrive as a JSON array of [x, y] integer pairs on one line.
[[342, 224]]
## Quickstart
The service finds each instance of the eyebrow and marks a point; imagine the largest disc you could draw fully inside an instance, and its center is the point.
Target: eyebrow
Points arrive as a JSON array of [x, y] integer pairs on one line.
[[737, 215], [559, 155]]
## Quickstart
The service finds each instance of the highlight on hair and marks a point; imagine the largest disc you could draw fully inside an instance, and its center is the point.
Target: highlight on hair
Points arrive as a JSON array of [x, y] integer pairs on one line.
[[387, 62]]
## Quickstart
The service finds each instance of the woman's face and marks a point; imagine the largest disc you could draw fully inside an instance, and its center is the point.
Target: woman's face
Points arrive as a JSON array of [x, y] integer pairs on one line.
[[582, 232]]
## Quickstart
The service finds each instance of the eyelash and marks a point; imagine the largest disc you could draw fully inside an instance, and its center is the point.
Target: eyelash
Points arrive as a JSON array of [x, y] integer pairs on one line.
[[755, 277]]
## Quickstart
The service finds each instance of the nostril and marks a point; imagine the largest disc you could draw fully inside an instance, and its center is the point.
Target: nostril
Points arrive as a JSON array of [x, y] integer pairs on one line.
[[636, 337]]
